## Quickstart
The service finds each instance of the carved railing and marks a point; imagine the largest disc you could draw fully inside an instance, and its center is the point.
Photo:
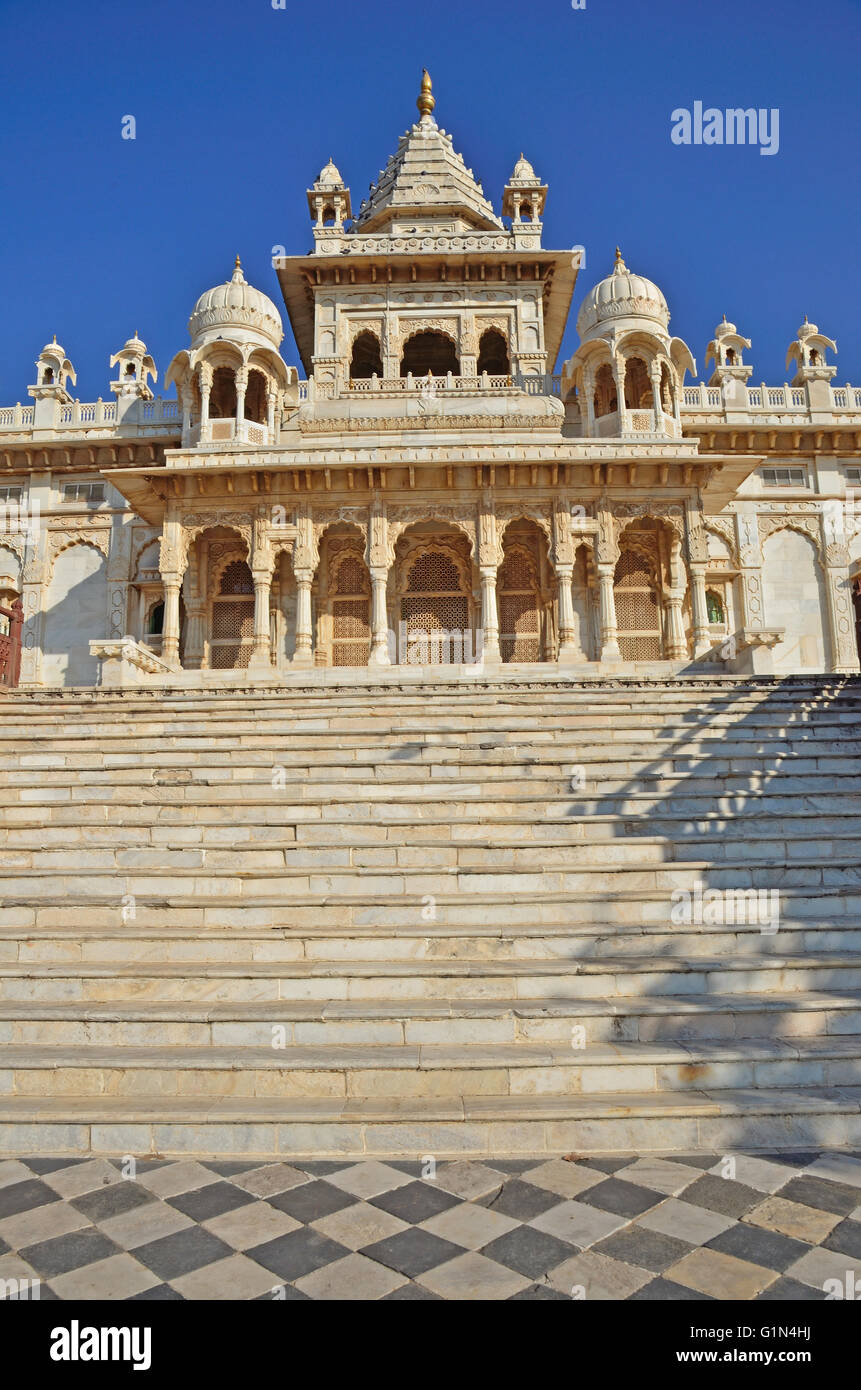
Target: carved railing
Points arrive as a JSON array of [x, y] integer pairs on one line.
[[544, 384], [93, 415], [11, 620]]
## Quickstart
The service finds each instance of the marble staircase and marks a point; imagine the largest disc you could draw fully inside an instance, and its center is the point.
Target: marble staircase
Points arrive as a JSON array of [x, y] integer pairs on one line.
[[396, 919]]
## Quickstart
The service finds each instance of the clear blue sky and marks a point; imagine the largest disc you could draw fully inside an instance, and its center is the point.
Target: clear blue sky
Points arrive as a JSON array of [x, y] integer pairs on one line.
[[238, 105]]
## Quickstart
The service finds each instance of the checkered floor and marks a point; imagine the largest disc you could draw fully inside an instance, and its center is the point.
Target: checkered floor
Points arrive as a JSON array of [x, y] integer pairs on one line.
[[615, 1228]]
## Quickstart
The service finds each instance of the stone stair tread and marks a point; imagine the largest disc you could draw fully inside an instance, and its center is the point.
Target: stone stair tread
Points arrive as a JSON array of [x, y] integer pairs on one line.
[[194, 1109], [421, 1056], [291, 1010], [453, 966]]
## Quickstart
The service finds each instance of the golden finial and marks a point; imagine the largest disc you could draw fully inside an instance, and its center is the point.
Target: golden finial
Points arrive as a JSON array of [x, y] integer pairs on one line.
[[426, 101], [237, 264]]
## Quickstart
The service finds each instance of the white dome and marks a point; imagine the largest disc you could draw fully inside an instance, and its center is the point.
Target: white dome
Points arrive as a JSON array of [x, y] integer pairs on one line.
[[622, 295], [522, 170], [329, 176], [53, 349], [236, 304]]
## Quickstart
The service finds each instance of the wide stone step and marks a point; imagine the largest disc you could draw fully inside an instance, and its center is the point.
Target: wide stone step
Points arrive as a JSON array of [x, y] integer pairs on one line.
[[108, 981], [137, 943], [427, 1070], [265, 1127], [667, 1018]]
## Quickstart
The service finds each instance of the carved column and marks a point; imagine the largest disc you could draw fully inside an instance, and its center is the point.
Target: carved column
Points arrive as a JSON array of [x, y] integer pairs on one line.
[[187, 398], [489, 615], [587, 386], [676, 646], [262, 562], [619, 377], [377, 558], [205, 388], [241, 379], [304, 565], [607, 555], [173, 557], [699, 604], [698, 553], [303, 654], [655, 375], [271, 401], [489, 559]]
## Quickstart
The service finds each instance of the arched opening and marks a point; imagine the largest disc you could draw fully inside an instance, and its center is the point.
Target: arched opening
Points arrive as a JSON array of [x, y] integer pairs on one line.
[[350, 590], [493, 353], [434, 603], [637, 591], [232, 624], [730, 357], [429, 352], [222, 397], [638, 387], [814, 358], [155, 620], [525, 212], [793, 592], [255, 397], [367, 358], [48, 376], [328, 215], [520, 583], [606, 401]]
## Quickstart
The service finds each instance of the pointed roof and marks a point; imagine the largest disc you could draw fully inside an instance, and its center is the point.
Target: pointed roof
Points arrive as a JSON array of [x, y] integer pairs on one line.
[[426, 176]]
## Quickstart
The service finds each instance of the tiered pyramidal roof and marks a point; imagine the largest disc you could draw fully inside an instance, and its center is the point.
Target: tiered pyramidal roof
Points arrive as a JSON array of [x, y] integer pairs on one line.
[[426, 178]]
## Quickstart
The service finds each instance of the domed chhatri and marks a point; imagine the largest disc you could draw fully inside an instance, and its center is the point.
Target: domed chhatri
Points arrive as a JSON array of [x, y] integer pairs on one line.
[[329, 176], [238, 306], [622, 294]]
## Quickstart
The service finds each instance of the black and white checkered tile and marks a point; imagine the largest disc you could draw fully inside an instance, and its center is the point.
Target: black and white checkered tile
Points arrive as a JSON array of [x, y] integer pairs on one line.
[[782, 1226]]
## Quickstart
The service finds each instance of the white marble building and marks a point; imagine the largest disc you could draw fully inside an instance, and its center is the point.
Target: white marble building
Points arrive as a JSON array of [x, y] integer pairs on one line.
[[410, 482]]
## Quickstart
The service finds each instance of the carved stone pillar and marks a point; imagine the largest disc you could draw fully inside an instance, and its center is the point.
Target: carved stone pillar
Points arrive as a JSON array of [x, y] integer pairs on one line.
[[303, 654], [379, 655], [241, 387], [609, 625], [187, 398], [676, 645], [699, 604], [588, 389], [205, 388], [619, 378], [377, 559], [170, 631], [655, 377], [489, 615], [569, 649]]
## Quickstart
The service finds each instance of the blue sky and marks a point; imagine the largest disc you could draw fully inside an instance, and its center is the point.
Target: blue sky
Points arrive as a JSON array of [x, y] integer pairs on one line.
[[237, 106]]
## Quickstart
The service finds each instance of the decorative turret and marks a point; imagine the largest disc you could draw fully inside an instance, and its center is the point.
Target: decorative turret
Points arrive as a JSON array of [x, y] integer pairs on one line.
[[523, 197], [808, 353], [725, 350], [135, 365], [329, 199], [53, 371]]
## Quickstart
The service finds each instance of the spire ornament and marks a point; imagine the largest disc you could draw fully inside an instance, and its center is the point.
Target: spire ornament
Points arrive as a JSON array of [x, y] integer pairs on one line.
[[426, 100]]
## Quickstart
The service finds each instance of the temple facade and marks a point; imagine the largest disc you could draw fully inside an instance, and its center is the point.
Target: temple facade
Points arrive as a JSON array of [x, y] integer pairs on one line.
[[414, 482]]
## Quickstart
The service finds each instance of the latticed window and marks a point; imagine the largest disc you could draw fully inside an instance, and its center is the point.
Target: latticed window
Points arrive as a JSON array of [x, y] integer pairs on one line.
[[638, 612], [232, 634], [435, 610], [519, 609], [351, 625]]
